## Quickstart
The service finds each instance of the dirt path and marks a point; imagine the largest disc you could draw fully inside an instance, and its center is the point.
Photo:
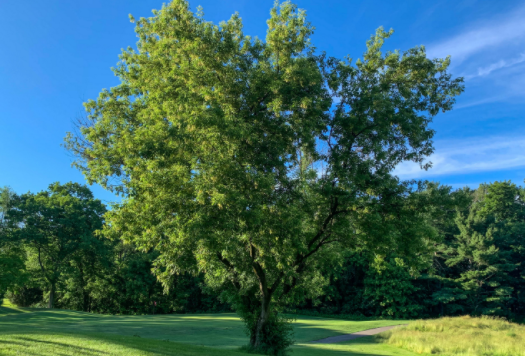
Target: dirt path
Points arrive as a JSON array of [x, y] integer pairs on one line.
[[341, 338]]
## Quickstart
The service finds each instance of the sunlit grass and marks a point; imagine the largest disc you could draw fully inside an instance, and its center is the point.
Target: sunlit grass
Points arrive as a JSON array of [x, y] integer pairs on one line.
[[460, 336], [31, 331], [7, 303], [98, 344]]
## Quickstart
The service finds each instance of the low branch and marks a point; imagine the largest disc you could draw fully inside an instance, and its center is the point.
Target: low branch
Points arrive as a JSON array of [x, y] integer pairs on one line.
[[230, 267], [302, 264]]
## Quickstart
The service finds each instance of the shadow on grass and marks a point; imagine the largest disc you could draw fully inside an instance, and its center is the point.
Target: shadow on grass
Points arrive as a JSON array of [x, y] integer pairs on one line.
[[12, 342], [309, 329], [64, 344], [307, 351], [365, 340], [123, 345], [221, 332], [9, 311], [19, 345], [78, 349], [215, 331]]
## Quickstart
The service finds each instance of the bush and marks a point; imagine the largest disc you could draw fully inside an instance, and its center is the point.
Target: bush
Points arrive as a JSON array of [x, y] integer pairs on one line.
[[25, 296], [389, 289], [278, 335]]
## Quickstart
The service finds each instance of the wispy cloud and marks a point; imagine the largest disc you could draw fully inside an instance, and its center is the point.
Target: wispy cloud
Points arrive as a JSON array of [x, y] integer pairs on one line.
[[489, 54], [482, 71], [469, 156], [508, 28]]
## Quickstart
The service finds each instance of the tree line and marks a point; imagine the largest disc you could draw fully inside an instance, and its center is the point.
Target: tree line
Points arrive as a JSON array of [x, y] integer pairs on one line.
[[475, 266], [52, 253]]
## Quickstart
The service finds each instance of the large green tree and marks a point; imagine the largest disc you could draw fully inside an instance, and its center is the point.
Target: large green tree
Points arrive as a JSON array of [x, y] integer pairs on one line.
[[56, 226], [257, 161]]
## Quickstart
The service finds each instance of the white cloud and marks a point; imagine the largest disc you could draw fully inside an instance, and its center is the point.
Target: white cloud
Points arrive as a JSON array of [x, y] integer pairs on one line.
[[485, 100], [469, 156], [464, 45], [482, 71], [488, 54]]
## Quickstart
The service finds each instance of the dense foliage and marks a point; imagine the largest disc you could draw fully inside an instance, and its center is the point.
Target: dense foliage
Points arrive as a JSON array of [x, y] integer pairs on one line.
[[476, 268], [57, 227], [12, 258], [50, 250]]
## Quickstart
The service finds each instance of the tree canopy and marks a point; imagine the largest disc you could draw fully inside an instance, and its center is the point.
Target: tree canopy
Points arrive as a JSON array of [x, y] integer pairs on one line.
[[258, 161], [486, 255], [58, 227]]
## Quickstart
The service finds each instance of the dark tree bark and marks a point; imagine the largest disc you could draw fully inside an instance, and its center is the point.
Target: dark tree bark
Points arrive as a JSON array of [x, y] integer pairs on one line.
[[263, 319], [52, 296]]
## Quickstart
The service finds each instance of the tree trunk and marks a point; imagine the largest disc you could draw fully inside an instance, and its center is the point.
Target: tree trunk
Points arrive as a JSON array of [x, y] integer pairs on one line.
[[85, 301], [52, 296], [85, 294], [263, 319]]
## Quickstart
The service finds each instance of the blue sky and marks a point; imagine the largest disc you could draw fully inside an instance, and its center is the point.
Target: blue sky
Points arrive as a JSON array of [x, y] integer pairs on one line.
[[56, 54]]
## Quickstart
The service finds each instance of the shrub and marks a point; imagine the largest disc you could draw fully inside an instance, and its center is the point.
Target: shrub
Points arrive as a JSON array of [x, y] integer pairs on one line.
[[25, 296], [278, 335]]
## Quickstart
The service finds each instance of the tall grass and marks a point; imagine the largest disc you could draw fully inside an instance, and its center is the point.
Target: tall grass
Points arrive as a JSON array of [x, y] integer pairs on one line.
[[460, 336]]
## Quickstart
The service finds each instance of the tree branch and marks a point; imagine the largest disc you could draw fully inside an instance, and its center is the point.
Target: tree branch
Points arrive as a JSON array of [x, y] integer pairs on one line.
[[230, 267]]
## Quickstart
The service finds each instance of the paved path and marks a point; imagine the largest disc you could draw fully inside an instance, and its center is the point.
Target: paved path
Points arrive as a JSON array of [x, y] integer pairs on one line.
[[341, 338]]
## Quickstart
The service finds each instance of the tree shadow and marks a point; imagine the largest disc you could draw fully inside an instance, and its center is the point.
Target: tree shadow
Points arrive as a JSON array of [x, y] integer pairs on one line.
[[19, 345], [160, 347], [311, 329], [153, 346], [215, 332], [9, 311], [79, 350]]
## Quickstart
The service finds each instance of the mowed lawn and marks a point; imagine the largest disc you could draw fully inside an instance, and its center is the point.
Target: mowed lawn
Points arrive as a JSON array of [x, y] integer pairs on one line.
[[61, 332]]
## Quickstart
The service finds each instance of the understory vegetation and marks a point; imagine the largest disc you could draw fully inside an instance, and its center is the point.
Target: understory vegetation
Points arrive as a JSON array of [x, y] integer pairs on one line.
[[460, 336]]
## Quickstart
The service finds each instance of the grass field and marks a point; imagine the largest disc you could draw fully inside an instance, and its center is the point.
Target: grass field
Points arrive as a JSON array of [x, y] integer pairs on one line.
[[58, 332], [461, 336]]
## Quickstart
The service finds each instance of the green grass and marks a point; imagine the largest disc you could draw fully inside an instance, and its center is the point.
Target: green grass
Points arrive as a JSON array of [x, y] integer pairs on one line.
[[26, 331], [98, 344], [461, 336]]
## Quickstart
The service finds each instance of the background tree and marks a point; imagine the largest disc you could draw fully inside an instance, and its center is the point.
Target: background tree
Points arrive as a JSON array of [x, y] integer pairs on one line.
[[56, 225], [90, 262], [256, 161], [474, 267], [489, 248], [440, 293], [99, 275], [12, 256], [369, 284]]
